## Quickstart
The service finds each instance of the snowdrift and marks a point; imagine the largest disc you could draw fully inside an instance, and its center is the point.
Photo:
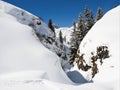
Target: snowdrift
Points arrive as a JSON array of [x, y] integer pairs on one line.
[[22, 56], [106, 32]]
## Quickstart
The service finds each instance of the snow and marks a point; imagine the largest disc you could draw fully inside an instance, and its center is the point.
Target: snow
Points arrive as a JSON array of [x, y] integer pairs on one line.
[[47, 85], [24, 17], [66, 32], [25, 64], [20, 50], [106, 32]]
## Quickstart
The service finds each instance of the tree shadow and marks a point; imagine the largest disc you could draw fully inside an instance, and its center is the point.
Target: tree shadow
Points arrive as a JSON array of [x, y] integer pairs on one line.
[[77, 78]]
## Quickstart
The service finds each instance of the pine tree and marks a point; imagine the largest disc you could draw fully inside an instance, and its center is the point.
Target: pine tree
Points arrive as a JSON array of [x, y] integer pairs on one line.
[[60, 37], [86, 14], [73, 35], [88, 17], [81, 28], [91, 20], [76, 37], [99, 14], [74, 45], [51, 26], [74, 26]]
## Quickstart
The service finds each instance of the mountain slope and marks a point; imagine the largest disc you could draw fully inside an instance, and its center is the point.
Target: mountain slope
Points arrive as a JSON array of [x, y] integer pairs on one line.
[[106, 32], [21, 50], [42, 31], [25, 17]]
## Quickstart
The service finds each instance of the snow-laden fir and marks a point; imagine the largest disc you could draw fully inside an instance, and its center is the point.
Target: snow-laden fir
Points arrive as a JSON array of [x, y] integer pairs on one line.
[[26, 64]]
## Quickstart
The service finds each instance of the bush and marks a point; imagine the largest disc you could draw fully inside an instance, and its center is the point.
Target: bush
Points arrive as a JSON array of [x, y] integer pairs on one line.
[[81, 63], [102, 53]]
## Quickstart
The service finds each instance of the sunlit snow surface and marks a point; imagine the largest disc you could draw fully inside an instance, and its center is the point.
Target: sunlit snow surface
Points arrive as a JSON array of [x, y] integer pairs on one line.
[[25, 64]]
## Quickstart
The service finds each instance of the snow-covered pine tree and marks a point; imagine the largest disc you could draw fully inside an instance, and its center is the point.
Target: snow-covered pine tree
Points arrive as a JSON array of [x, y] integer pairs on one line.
[[50, 25], [79, 31], [60, 37], [88, 17], [74, 44], [99, 14], [81, 28], [91, 20]]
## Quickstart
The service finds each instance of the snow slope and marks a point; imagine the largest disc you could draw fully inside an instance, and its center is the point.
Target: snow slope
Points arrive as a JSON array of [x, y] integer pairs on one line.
[[20, 50], [106, 32], [43, 32], [25, 17]]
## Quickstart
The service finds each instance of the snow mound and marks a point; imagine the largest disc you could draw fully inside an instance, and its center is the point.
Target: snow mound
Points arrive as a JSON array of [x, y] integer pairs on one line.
[[20, 50], [106, 32], [24, 75]]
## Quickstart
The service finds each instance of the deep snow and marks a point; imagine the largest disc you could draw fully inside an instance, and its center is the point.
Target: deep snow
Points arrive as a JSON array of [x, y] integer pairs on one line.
[[25, 64]]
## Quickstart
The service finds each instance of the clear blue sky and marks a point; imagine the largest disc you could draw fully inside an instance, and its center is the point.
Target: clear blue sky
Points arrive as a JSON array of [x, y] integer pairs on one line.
[[62, 12]]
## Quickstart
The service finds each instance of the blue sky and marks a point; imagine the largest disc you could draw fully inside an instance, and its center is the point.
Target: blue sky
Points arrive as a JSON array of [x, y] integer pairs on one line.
[[62, 12]]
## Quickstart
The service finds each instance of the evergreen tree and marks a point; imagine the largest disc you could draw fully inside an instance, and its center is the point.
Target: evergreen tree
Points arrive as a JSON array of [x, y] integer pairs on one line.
[[73, 42], [73, 35], [51, 26], [99, 14], [88, 17], [60, 37], [86, 14], [91, 20], [81, 32], [74, 26], [76, 37]]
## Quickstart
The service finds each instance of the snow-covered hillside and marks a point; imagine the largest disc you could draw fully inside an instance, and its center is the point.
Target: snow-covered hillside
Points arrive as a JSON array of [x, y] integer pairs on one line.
[[106, 32], [25, 17], [43, 32], [26, 64], [20, 50]]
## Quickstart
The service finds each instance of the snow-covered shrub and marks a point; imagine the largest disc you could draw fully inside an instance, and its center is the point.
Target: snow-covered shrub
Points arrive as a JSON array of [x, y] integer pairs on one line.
[[81, 63], [102, 53]]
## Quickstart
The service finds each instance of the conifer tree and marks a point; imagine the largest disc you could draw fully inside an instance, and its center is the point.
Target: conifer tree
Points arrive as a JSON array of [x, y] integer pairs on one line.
[[60, 37], [88, 17], [50, 25], [91, 20], [81, 28], [74, 26], [73, 35], [73, 43], [99, 14]]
